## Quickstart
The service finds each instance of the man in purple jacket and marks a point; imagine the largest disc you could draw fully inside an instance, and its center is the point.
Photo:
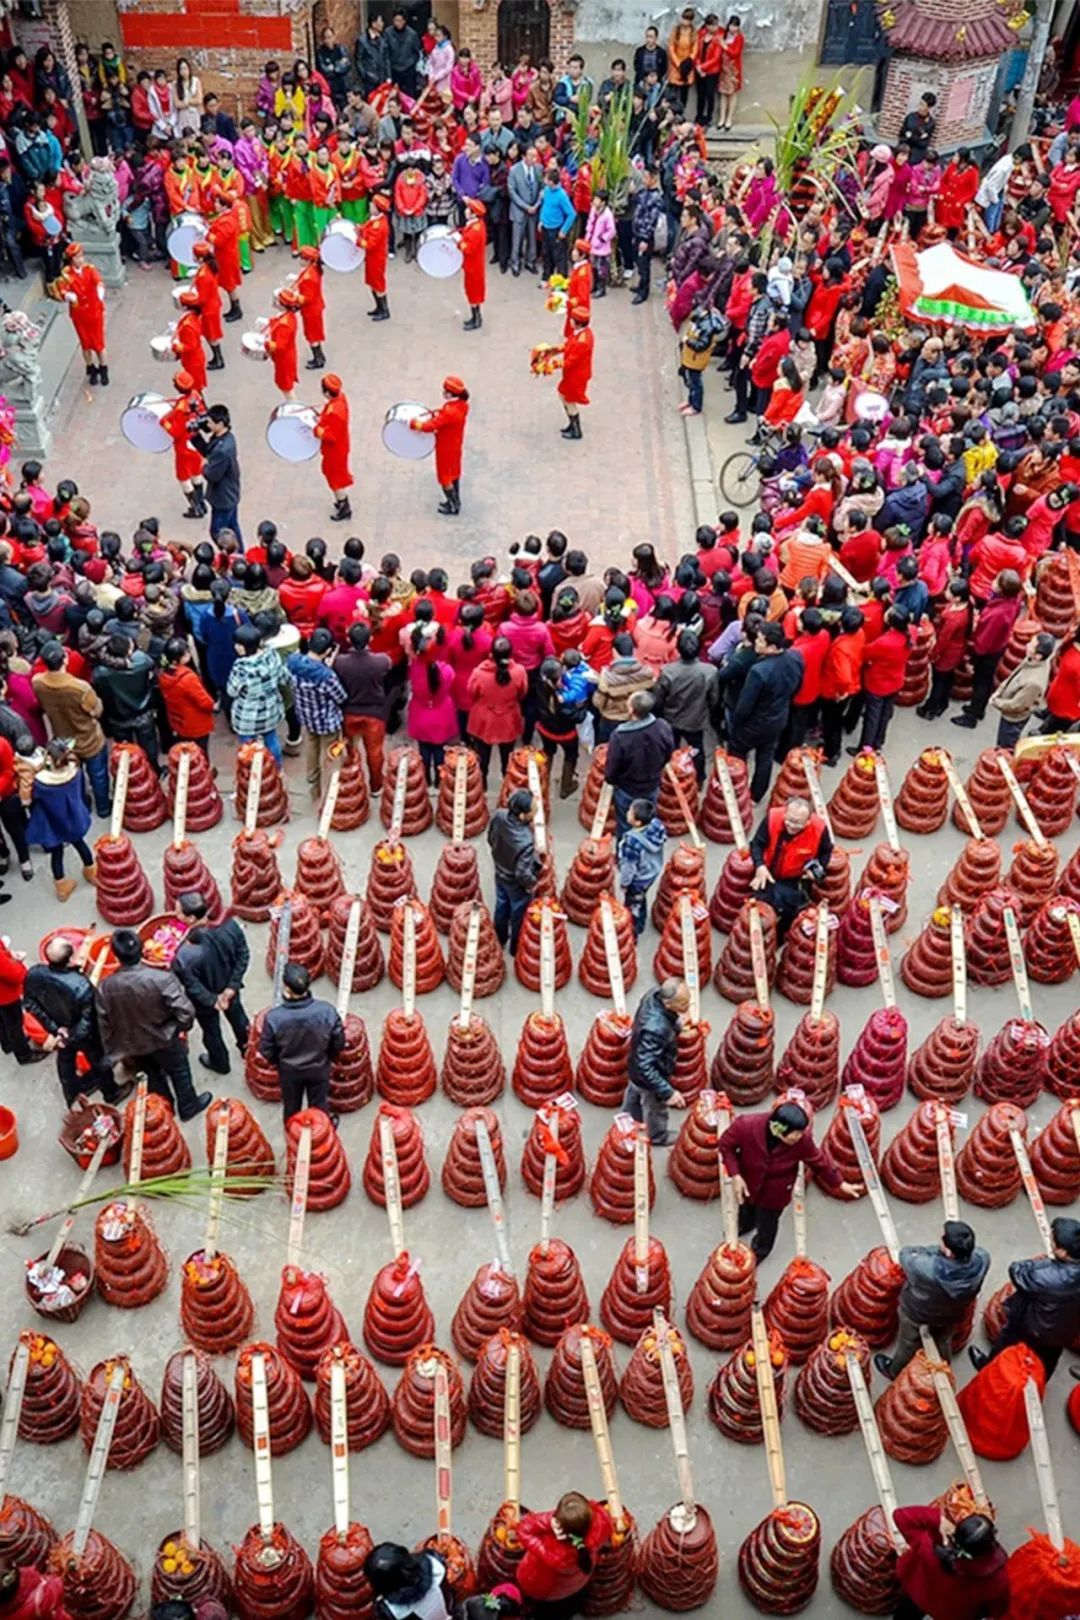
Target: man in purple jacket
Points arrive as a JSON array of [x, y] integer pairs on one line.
[[762, 1153]]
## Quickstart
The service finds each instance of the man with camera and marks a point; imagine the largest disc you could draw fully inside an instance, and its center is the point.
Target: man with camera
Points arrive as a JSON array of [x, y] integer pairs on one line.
[[213, 438], [791, 850]]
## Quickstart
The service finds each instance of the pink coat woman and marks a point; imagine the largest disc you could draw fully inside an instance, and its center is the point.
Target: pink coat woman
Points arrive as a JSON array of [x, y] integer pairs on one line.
[[600, 231], [432, 717], [880, 183], [465, 659], [466, 83]]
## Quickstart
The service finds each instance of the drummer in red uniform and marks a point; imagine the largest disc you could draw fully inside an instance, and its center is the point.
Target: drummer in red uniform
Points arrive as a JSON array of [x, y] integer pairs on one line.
[[448, 426], [187, 342], [84, 292], [374, 238], [578, 286], [576, 370], [186, 459], [332, 432], [309, 286], [281, 341], [224, 237], [206, 285], [473, 243]]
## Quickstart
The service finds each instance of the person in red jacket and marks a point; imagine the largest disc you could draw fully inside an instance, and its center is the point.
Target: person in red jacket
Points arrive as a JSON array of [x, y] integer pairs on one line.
[[448, 426], [473, 240], [560, 1554], [884, 669], [762, 1153], [579, 284], [309, 285], [1063, 693], [332, 432], [83, 290], [300, 595], [189, 708], [205, 283], [223, 234], [950, 1572], [13, 1039], [577, 364], [956, 193], [841, 679], [27, 1594], [993, 627], [952, 637], [812, 644], [790, 849], [830, 285], [281, 342], [187, 462], [374, 237], [187, 340]]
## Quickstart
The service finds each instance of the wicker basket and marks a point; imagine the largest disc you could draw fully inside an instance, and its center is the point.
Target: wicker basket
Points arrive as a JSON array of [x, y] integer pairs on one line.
[[77, 1119], [69, 1259]]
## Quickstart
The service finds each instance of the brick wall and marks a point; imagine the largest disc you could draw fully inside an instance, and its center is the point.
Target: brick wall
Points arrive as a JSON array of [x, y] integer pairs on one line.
[[227, 41], [963, 91]]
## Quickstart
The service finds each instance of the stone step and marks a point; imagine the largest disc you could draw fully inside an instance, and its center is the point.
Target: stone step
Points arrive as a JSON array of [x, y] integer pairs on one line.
[[724, 146]]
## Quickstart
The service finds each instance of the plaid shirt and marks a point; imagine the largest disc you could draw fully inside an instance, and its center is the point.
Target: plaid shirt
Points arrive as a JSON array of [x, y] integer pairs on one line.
[[317, 693], [254, 686]]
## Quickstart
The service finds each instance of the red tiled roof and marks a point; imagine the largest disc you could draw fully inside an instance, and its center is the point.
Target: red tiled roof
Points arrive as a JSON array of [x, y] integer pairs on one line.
[[919, 34]]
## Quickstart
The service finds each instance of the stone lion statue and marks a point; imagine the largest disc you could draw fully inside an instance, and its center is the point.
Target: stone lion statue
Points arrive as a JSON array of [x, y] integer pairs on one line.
[[20, 361], [95, 211]]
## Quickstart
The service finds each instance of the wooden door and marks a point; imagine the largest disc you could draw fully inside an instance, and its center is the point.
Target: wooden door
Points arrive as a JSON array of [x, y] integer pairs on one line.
[[524, 28]]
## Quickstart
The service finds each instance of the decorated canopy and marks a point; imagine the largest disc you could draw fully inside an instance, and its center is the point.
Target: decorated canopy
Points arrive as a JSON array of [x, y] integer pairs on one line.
[[941, 287]]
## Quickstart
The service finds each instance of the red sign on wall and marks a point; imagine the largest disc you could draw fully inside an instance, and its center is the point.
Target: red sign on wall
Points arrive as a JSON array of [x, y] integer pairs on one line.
[[205, 25]]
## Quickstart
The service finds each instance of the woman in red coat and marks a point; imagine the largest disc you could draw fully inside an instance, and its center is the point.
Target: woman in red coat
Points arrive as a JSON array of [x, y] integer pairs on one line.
[[473, 240], [496, 691], [950, 1572], [332, 432], [1063, 693], [560, 1553], [281, 342], [374, 238], [576, 371], [187, 462], [187, 343], [309, 285], [448, 426], [84, 293], [205, 283], [579, 285], [223, 235]]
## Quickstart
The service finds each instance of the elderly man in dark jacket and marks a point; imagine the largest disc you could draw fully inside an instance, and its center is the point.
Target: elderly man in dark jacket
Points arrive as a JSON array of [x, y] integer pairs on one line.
[[762, 710], [301, 1038], [517, 865], [1044, 1312], [637, 753], [404, 49], [372, 57], [142, 1013], [762, 1153], [909, 505], [61, 998], [654, 1047], [941, 1283], [210, 965]]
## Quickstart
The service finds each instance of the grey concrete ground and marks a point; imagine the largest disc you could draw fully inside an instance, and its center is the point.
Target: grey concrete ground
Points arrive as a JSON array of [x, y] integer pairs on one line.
[[393, 1493]]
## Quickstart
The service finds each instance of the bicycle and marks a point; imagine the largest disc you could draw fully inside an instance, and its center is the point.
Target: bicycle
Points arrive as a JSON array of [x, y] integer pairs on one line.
[[739, 479]]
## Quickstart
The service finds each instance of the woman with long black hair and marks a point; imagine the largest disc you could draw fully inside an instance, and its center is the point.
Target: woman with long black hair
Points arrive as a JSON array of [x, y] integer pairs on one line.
[[432, 718]]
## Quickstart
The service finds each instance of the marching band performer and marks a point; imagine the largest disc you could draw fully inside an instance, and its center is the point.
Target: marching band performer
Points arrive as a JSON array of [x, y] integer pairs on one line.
[[83, 291], [578, 286], [187, 343], [187, 461], [332, 432], [309, 285], [277, 163], [323, 179], [576, 370], [208, 290], [448, 426], [374, 238], [223, 235], [182, 192], [228, 191], [281, 341], [473, 241], [352, 186], [298, 191]]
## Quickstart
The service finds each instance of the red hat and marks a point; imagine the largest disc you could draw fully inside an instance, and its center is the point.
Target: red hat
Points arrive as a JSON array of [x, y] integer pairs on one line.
[[289, 298], [72, 249], [382, 202], [190, 298], [455, 387], [183, 382], [203, 250], [579, 315], [331, 383], [475, 206], [581, 246], [95, 569], [311, 254]]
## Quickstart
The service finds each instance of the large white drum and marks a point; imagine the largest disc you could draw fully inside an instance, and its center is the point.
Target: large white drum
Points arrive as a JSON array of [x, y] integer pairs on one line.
[[162, 350], [402, 440], [871, 406], [339, 250], [290, 432], [180, 239], [438, 254], [253, 346], [140, 422]]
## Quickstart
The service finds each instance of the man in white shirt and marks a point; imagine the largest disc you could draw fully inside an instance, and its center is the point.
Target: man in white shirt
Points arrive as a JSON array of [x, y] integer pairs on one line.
[[990, 196]]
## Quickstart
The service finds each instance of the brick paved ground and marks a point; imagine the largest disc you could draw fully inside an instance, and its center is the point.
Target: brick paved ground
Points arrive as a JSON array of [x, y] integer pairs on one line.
[[625, 482]]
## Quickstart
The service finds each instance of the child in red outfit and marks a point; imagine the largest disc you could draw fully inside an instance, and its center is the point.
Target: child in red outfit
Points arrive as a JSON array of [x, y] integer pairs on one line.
[[560, 1554]]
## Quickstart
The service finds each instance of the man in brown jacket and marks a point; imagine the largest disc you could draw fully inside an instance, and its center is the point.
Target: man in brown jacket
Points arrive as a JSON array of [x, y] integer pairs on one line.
[[73, 708], [1024, 691], [624, 676], [143, 1012]]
